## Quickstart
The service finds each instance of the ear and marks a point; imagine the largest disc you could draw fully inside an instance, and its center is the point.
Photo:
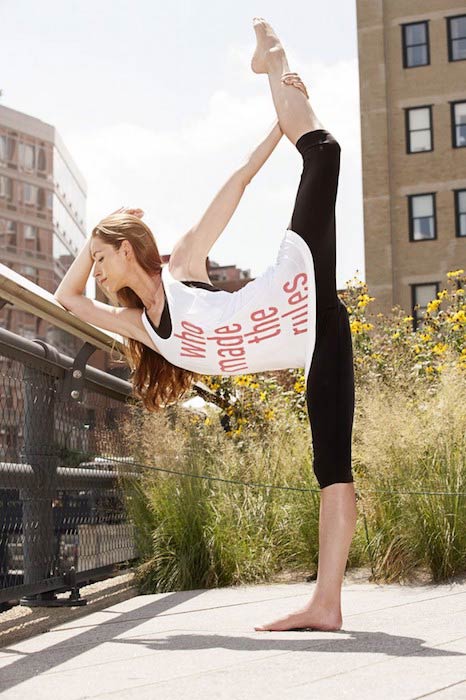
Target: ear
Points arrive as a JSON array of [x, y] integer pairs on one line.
[[126, 249]]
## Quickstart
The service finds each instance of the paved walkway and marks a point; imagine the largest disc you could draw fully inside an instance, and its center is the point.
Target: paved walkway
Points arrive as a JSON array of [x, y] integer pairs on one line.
[[397, 642]]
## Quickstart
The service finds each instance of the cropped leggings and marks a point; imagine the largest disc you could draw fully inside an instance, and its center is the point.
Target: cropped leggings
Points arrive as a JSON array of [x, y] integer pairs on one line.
[[330, 381]]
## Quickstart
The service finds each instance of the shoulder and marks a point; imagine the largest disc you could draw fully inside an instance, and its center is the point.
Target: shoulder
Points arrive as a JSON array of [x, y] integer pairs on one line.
[[181, 271]]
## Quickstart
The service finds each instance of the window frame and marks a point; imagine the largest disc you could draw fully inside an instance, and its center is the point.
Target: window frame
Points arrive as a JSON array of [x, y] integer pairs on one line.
[[413, 286], [405, 47], [408, 131], [453, 123], [450, 38], [411, 218], [456, 193]]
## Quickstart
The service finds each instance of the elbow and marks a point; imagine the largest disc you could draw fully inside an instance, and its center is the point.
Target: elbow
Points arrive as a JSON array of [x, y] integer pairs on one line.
[[65, 301], [245, 174]]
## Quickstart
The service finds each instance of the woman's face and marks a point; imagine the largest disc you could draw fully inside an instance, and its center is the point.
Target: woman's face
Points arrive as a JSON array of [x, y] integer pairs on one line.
[[111, 266]]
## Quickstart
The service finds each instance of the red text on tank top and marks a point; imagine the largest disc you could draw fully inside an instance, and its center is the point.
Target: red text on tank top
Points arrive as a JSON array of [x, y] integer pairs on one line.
[[231, 341]]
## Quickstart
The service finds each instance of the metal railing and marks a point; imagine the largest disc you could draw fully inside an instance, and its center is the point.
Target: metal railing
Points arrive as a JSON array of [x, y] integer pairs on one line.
[[62, 457]]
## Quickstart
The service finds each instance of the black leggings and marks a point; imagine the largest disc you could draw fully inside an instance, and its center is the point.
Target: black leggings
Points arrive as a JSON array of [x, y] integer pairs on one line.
[[330, 382]]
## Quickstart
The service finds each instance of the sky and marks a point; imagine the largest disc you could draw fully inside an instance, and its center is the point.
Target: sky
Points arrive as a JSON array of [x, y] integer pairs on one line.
[[157, 104]]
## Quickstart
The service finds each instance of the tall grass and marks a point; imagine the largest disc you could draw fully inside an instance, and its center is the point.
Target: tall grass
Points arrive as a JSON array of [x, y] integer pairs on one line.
[[203, 529]]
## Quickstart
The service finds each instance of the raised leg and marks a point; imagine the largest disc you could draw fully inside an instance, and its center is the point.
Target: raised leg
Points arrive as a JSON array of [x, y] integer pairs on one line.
[[338, 512], [294, 110]]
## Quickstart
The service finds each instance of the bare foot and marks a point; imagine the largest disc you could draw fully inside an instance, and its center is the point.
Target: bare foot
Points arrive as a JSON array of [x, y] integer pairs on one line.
[[267, 44], [309, 617]]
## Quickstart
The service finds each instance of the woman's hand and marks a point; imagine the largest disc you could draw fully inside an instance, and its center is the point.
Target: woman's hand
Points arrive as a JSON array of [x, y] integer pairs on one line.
[[134, 212], [294, 80]]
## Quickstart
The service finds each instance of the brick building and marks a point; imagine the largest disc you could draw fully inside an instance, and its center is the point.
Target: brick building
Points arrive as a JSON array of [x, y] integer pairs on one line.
[[412, 73]]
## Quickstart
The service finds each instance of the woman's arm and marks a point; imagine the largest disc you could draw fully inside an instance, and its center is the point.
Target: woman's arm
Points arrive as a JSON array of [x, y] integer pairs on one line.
[[70, 294], [75, 279], [190, 253], [74, 282], [261, 153]]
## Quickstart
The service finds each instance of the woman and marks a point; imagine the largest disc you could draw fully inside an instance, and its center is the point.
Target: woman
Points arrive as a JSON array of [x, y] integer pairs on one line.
[[177, 324]]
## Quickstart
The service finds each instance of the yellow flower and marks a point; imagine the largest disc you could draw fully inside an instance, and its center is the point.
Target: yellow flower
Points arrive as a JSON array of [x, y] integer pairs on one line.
[[460, 292], [299, 386], [439, 348], [442, 294], [207, 421], [455, 273], [433, 305], [215, 386], [349, 309], [408, 318], [364, 299], [254, 385], [439, 368], [380, 314], [355, 326], [263, 395], [269, 414], [416, 349], [429, 370], [396, 335], [425, 336], [367, 326]]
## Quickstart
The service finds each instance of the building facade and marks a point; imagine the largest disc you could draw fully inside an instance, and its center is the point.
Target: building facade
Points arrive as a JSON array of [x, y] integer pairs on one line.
[[42, 216], [412, 73]]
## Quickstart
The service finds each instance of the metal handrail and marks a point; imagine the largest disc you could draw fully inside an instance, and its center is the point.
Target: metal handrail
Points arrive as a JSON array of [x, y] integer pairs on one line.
[[28, 296]]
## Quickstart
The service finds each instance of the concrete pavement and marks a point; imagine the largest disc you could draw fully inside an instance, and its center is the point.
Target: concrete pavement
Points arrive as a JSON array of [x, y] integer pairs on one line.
[[397, 642]]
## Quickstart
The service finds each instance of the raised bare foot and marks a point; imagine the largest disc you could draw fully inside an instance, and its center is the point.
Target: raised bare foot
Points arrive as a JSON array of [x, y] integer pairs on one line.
[[267, 44], [311, 617]]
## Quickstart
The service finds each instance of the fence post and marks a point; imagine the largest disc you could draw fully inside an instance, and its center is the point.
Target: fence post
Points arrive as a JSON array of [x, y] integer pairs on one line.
[[42, 453]]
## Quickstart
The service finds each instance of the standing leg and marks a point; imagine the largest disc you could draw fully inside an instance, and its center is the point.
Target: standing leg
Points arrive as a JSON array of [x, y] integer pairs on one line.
[[338, 513]]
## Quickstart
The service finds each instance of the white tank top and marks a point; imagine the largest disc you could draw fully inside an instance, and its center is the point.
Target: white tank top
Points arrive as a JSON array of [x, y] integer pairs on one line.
[[268, 324]]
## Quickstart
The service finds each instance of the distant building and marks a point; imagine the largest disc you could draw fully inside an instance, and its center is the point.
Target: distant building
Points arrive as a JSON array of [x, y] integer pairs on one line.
[[412, 75], [42, 216], [227, 277]]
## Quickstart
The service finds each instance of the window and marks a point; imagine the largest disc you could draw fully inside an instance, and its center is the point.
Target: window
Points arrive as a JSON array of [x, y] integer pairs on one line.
[[419, 129], [27, 156], [29, 193], [456, 31], [415, 41], [6, 187], [458, 124], [41, 160], [422, 218], [460, 212], [11, 230], [28, 270], [7, 148], [421, 294], [30, 232]]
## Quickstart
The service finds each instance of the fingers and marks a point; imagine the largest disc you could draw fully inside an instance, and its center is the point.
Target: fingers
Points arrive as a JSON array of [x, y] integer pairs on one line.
[[128, 210], [293, 79]]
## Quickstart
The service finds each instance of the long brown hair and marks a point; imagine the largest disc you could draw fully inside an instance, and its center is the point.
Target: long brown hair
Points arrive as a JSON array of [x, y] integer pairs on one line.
[[155, 381]]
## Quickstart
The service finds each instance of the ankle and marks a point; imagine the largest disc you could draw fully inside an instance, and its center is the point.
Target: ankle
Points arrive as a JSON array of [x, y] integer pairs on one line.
[[327, 600], [276, 60]]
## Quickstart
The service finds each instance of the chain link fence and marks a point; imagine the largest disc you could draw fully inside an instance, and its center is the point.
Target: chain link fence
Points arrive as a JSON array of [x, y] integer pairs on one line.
[[62, 514]]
